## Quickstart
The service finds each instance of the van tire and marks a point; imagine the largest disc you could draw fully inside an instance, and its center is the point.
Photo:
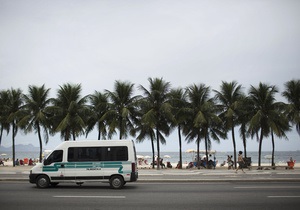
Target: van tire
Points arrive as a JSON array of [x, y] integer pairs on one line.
[[42, 181], [116, 182]]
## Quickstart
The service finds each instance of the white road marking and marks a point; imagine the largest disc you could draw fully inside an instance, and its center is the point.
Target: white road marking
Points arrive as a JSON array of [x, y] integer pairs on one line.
[[274, 187], [284, 196], [6, 172], [90, 196], [267, 187]]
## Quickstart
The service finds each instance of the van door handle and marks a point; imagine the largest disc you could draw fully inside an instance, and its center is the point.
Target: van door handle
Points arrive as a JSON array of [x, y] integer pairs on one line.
[[62, 165]]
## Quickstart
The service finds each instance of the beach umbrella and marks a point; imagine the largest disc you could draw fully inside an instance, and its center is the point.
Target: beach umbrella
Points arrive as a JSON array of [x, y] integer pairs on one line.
[[139, 156], [167, 156], [269, 157], [46, 152], [147, 157], [208, 151], [193, 151], [190, 151], [3, 154]]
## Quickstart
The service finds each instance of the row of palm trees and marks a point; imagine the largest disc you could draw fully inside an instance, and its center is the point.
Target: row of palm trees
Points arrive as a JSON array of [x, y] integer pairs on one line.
[[154, 114]]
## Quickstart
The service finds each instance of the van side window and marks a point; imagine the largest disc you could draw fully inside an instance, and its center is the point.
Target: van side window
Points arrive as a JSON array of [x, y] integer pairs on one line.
[[56, 156], [114, 154], [81, 154]]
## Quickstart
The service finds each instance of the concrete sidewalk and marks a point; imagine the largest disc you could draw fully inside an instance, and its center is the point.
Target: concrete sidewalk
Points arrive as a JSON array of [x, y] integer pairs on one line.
[[21, 173], [218, 175]]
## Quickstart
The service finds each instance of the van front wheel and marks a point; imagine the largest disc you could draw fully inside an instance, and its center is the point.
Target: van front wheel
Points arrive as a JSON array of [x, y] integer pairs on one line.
[[42, 181], [116, 182]]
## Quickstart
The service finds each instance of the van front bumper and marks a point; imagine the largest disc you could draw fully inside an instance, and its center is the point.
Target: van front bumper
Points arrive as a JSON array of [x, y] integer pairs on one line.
[[32, 177]]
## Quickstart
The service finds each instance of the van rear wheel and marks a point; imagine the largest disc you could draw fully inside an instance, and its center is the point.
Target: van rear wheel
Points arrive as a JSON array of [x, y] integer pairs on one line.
[[116, 182], [42, 181]]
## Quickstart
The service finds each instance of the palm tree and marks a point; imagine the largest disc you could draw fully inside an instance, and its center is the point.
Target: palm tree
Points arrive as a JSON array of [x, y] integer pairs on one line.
[[292, 94], [203, 122], [121, 113], [179, 103], [244, 116], [99, 106], [144, 129], [229, 98], [70, 112], [160, 111], [266, 117], [14, 110], [197, 97], [279, 125], [4, 105], [36, 117]]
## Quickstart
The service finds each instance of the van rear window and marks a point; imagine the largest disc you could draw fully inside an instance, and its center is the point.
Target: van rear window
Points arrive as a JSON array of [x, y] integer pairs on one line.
[[80, 154]]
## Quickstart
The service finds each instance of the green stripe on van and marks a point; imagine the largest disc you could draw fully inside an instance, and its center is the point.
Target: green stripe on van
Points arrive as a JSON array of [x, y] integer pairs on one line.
[[118, 165]]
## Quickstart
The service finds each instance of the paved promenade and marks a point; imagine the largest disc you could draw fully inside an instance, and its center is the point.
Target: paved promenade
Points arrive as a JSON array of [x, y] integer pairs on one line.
[[21, 173]]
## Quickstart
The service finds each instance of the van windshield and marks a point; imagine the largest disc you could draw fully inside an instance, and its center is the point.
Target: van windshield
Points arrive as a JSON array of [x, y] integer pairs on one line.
[[54, 157]]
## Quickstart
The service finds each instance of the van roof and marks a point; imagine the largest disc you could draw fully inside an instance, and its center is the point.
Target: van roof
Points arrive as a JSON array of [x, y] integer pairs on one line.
[[94, 143]]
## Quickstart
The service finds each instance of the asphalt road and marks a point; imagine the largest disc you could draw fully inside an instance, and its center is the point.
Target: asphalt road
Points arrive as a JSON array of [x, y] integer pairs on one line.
[[177, 195]]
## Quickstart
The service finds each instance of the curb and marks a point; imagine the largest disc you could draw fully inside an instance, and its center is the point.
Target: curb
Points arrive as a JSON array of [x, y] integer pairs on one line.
[[219, 181], [151, 176], [14, 179], [187, 180]]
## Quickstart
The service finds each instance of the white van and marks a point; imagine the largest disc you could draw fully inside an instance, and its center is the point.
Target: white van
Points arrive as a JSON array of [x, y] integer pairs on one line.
[[81, 161]]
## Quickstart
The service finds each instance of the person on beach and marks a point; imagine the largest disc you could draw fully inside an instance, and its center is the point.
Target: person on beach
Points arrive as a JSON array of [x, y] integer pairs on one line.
[[230, 162], [1, 162], [241, 162], [17, 163], [30, 163]]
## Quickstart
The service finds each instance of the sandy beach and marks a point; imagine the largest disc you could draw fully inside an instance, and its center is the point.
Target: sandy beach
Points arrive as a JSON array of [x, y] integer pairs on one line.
[[218, 166], [9, 163]]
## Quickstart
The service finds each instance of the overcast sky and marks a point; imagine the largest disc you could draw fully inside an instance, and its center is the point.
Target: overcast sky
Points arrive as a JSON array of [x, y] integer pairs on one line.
[[94, 43]]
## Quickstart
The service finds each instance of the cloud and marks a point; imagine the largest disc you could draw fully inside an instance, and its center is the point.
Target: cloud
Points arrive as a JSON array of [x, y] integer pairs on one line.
[[95, 43]]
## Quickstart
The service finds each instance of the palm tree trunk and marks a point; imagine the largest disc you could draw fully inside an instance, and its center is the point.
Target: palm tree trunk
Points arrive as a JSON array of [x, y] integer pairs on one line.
[[121, 130], [67, 135], [273, 148], [198, 150], [73, 134], [206, 149], [120, 136], [158, 150], [259, 149], [153, 155], [41, 144], [99, 135], [1, 132], [234, 146], [180, 148], [244, 143], [13, 144]]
